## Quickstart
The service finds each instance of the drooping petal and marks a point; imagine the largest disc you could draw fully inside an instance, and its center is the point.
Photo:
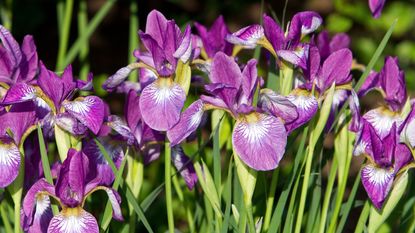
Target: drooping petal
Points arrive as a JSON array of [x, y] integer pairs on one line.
[[376, 7], [382, 120], [303, 23], [9, 162], [119, 126], [73, 220], [377, 182], [85, 85], [115, 200], [189, 121], [39, 222], [132, 110], [247, 36], [306, 105], [20, 120], [214, 101], [225, 70], [260, 140], [19, 92], [70, 124], [278, 105], [185, 166], [407, 129], [88, 110], [161, 103], [363, 139]]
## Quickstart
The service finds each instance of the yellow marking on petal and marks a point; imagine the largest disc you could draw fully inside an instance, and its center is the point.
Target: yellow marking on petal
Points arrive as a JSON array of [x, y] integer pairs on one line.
[[264, 42], [68, 212]]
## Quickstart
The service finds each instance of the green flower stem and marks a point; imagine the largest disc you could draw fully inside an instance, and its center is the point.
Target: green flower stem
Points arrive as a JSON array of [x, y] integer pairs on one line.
[[327, 195], [167, 176], [133, 40], [287, 76], [270, 200], [16, 191], [64, 38], [4, 218], [217, 176], [363, 218], [134, 180], [83, 54]]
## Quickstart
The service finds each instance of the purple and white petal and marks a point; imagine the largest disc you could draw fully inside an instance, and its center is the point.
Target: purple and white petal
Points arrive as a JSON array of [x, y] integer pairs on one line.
[[70, 124], [307, 107], [355, 111], [161, 103], [88, 110], [303, 23], [407, 129], [297, 57], [189, 121], [382, 120], [73, 220], [117, 124], [377, 182], [9, 162], [247, 36], [184, 51], [259, 140], [278, 105], [19, 92], [39, 222], [115, 200], [116, 79], [185, 166]]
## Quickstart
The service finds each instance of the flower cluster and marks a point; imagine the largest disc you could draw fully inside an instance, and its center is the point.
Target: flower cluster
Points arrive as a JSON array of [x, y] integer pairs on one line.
[[312, 66]]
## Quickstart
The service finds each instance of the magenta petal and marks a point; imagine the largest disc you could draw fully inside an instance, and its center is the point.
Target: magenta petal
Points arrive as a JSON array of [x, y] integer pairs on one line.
[[119, 126], [278, 105], [132, 110], [115, 200], [260, 140], [156, 26], [88, 110], [225, 70], [161, 103], [376, 7], [372, 81], [247, 36], [297, 56], [19, 92], [307, 107], [336, 68], [66, 222], [9, 162], [249, 82], [116, 79], [217, 102], [377, 183], [39, 222], [184, 50], [185, 166], [382, 122], [273, 32], [355, 110], [70, 124], [303, 23], [188, 123]]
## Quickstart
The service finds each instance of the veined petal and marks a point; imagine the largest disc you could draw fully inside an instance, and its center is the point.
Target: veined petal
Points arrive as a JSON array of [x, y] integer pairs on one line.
[[188, 123], [88, 110], [19, 92], [70, 124], [73, 220], [116, 79], [184, 49], [273, 32], [249, 82], [39, 222], [247, 36], [225, 70], [11, 45], [297, 56], [259, 140], [29, 64], [355, 110], [156, 26], [9, 162], [376, 7], [278, 105], [304, 23], [161, 103], [382, 120], [336, 68], [117, 124], [307, 107], [377, 182], [185, 166]]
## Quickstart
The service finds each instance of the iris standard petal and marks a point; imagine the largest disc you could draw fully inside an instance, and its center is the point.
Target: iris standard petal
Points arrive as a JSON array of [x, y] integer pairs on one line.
[[259, 140], [336, 68], [10, 44], [161, 103], [73, 220], [189, 121], [9, 162], [303, 23], [88, 110], [376, 7], [377, 182], [225, 70]]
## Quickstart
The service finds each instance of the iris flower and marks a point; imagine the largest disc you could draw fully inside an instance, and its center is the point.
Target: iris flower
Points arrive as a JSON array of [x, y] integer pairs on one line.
[[71, 190]]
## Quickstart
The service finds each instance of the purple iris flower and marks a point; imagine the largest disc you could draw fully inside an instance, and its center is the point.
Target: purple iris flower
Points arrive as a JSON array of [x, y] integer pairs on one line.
[[71, 190], [53, 96], [163, 98], [386, 157], [376, 7], [327, 45], [17, 64], [287, 47], [15, 126], [214, 39], [148, 141]]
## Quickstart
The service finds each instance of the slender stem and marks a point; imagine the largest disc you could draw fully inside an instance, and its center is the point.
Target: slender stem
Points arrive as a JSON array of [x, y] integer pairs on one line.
[[167, 176], [4, 218], [217, 160], [327, 195], [82, 24], [133, 40], [270, 200], [63, 40], [363, 218], [16, 191]]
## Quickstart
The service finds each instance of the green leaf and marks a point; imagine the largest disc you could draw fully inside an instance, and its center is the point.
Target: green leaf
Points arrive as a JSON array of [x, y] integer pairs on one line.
[[208, 186]]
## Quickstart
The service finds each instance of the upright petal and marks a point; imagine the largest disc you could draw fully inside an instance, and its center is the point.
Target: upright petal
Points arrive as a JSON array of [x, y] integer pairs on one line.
[[393, 84], [73, 220], [336, 68], [156, 26], [259, 140], [355, 110], [273, 33], [249, 82], [372, 81], [247, 36], [377, 182], [9, 162], [20, 120], [185, 166], [10, 44], [225, 70], [163, 66], [88, 110], [29, 64], [189, 121], [161, 103], [376, 7]]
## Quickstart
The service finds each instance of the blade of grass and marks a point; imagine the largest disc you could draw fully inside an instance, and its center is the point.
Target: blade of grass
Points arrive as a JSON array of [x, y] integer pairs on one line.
[[133, 38], [363, 218], [83, 54], [64, 38], [228, 199]]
